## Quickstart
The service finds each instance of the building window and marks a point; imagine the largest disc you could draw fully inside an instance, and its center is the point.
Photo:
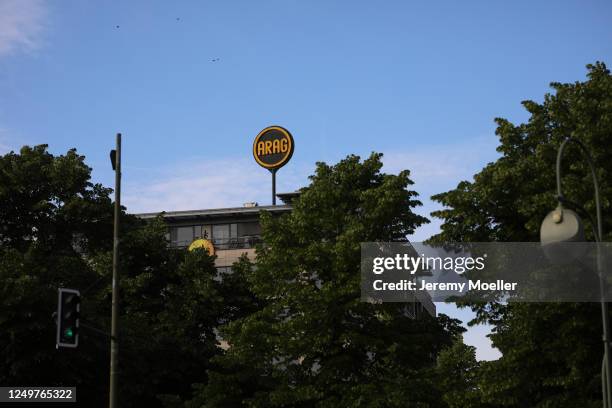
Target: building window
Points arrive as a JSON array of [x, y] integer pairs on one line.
[[184, 235], [221, 232], [249, 229], [225, 236]]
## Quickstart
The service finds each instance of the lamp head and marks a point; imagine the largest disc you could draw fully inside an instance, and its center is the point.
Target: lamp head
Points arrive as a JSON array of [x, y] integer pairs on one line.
[[562, 226]]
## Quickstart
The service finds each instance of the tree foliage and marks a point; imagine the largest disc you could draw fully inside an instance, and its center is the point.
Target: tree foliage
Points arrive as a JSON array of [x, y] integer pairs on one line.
[[458, 375], [56, 231], [47, 207], [551, 352], [313, 342]]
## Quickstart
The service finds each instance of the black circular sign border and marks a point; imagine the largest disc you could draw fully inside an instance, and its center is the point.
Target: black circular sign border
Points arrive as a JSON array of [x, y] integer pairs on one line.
[[285, 159]]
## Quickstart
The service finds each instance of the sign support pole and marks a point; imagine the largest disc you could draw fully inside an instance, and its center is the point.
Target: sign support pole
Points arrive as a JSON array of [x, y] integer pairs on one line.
[[273, 171]]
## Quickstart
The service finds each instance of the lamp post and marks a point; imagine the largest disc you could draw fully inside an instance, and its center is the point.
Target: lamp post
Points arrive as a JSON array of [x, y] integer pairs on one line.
[[114, 352], [564, 225]]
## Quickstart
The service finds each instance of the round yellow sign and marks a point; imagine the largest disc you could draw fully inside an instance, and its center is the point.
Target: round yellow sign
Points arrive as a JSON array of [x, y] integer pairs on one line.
[[203, 243], [273, 147]]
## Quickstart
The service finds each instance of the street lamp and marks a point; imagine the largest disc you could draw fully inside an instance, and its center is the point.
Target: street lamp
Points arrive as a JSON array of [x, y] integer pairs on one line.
[[564, 225]]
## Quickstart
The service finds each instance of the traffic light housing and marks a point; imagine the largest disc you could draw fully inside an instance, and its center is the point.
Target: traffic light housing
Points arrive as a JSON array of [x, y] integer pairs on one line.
[[68, 311]]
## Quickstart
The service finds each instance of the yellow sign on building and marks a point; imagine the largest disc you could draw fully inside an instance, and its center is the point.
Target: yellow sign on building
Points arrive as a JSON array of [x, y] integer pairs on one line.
[[203, 243]]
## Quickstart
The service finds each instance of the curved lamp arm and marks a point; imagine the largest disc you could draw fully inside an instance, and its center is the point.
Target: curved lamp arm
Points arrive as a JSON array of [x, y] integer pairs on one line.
[[589, 159]]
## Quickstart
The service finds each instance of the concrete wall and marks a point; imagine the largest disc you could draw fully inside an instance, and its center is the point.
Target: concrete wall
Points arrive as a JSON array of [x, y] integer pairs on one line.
[[227, 257]]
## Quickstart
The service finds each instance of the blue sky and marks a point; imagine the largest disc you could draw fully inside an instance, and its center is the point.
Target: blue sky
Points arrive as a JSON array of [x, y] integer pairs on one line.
[[418, 81]]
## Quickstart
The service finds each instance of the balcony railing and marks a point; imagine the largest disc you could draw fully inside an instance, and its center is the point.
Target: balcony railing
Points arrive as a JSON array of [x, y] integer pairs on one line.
[[245, 242]]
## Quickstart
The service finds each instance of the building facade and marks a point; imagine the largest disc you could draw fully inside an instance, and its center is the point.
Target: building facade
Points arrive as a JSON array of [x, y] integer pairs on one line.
[[232, 231], [236, 231]]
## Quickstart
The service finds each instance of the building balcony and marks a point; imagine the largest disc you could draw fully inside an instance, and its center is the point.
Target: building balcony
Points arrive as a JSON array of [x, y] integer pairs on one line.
[[222, 244]]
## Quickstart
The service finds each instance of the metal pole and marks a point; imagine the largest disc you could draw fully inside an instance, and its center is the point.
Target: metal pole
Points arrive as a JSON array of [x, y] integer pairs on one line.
[[603, 381], [606, 334], [115, 302], [605, 315], [273, 187]]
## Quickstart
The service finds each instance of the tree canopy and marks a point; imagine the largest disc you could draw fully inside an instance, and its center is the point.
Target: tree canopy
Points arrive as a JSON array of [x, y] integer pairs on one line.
[[313, 342], [551, 352], [56, 231]]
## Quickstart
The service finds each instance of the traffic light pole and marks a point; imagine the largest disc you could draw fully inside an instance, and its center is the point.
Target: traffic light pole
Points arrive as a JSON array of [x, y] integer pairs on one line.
[[114, 355]]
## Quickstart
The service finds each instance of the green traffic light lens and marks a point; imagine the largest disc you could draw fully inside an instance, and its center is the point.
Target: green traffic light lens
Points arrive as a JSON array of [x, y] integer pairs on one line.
[[68, 333]]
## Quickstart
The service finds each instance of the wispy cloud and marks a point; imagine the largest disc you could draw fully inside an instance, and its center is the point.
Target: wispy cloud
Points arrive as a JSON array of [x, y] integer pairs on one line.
[[436, 169], [229, 182], [4, 145], [21, 24], [225, 182]]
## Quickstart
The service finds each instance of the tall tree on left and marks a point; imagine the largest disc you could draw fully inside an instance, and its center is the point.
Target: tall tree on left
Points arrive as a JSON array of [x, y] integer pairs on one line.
[[56, 231], [50, 215]]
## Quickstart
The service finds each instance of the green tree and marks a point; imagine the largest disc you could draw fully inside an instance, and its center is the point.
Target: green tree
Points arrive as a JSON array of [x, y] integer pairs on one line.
[[170, 305], [313, 343], [458, 374], [48, 207], [551, 352], [56, 231]]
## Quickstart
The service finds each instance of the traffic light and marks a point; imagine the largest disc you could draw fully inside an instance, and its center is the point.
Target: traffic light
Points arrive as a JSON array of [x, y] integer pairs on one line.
[[68, 308]]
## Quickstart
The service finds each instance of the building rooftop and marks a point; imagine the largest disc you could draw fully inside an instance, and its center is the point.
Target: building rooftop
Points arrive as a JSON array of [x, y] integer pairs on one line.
[[288, 198], [215, 212]]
